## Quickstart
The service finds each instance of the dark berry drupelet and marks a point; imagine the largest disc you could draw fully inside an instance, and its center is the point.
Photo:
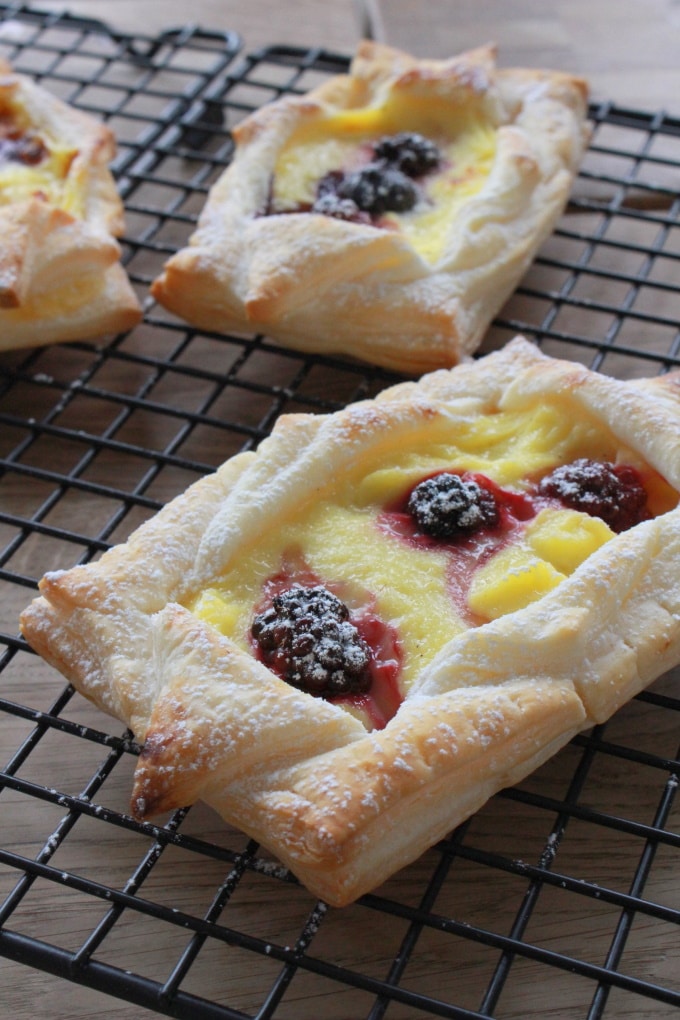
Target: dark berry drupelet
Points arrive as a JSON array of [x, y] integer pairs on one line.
[[18, 148], [306, 637], [331, 204], [409, 152], [329, 184], [613, 492], [378, 189], [328, 201], [447, 506]]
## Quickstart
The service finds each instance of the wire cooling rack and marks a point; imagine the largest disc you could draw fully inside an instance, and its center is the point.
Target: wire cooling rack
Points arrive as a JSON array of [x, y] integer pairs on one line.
[[560, 898]]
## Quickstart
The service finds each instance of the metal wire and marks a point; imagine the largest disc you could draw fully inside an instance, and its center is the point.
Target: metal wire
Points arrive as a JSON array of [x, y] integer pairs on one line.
[[175, 402]]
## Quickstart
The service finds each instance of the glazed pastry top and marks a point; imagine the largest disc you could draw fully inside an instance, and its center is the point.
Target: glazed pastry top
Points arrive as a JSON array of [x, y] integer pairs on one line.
[[426, 592], [387, 213], [410, 592], [60, 214]]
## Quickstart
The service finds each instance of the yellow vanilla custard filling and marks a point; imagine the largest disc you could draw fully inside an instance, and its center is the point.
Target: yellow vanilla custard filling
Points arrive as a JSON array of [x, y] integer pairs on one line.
[[407, 585], [341, 142], [48, 178]]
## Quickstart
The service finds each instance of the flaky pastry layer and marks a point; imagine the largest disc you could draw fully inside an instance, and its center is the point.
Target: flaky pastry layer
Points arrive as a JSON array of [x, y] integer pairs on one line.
[[60, 214], [342, 807], [317, 283]]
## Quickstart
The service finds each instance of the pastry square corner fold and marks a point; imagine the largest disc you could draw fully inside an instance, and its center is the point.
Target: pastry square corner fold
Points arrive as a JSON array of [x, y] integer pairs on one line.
[[386, 214], [61, 277], [344, 664]]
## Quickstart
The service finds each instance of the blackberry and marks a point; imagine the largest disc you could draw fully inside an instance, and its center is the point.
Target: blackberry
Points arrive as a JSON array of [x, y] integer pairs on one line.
[[409, 152], [377, 189], [448, 505], [329, 184], [331, 204], [306, 637], [612, 492], [19, 148]]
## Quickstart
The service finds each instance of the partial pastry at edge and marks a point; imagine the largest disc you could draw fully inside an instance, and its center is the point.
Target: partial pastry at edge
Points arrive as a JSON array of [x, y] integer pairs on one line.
[[388, 213], [477, 632], [60, 213]]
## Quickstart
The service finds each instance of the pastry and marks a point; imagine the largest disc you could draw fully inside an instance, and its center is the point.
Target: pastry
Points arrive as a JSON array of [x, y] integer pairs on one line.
[[387, 214], [349, 639], [60, 214]]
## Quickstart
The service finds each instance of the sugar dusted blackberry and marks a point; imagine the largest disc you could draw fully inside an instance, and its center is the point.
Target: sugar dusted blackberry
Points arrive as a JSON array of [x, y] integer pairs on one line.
[[448, 505], [377, 189], [329, 184], [371, 190], [613, 492], [307, 638], [19, 148], [331, 204], [409, 152]]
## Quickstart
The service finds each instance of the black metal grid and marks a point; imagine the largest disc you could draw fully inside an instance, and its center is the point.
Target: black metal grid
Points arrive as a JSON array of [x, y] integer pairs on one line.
[[469, 930]]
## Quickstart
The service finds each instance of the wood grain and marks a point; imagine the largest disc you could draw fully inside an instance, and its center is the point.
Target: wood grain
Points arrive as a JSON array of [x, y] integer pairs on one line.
[[628, 49]]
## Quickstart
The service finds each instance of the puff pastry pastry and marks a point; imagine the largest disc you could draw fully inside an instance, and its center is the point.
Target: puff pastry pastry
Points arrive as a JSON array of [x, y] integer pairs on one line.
[[60, 214], [488, 650], [411, 278]]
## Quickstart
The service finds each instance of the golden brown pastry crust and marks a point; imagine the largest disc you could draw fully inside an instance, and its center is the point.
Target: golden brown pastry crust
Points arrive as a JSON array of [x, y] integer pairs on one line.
[[60, 275], [342, 807], [321, 284]]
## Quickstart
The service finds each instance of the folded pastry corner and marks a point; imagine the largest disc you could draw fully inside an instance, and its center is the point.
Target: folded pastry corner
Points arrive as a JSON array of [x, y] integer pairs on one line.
[[349, 639], [60, 273], [388, 213]]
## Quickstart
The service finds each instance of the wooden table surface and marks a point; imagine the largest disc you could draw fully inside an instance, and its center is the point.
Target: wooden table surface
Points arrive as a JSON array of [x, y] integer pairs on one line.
[[630, 51]]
